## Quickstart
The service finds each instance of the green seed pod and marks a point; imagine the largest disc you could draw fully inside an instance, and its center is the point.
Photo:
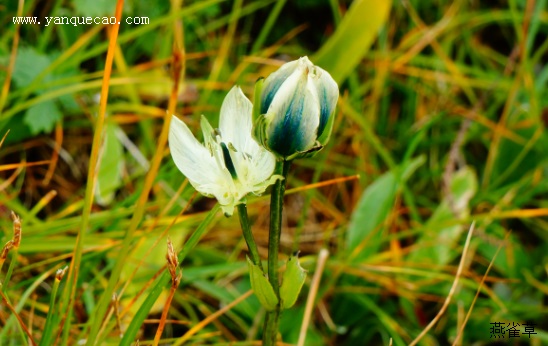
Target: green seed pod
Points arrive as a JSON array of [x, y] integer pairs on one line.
[[293, 281], [261, 287]]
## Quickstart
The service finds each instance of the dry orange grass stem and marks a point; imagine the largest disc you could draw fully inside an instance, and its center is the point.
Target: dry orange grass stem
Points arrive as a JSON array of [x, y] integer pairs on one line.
[[14, 242], [172, 265], [451, 291], [21, 323]]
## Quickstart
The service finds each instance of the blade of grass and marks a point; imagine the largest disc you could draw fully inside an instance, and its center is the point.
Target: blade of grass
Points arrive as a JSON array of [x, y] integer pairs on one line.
[[23, 301], [211, 318], [50, 324], [13, 56], [141, 314], [461, 329], [21, 323], [267, 27], [145, 125], [353, 36], [74, 268], [96, 321], [224, 49], [451, 291]]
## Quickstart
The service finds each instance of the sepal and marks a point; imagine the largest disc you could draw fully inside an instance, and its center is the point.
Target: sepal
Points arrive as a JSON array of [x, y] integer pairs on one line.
[[293, 281], [261, 287]]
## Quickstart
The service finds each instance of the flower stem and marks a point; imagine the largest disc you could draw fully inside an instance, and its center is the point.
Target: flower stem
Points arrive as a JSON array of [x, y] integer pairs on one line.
[[276, 206], [248, 235]]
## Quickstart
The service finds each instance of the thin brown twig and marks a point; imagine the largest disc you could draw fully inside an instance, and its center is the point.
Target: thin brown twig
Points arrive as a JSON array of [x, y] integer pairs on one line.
[[14, 312], [17, 233], [461, 329], [9, 166], [14, 242], [116, 309], [211, 318], [4, 138], [55, 154], [314, 285], [11, 179], [5, 250], [451, 291]]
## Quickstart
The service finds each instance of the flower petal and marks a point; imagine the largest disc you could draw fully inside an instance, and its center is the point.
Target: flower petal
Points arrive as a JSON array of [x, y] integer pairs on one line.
[[235, 120], [273, 82], [253, 164], [260, 166], [197, 163], [294, 114], [328, 94]]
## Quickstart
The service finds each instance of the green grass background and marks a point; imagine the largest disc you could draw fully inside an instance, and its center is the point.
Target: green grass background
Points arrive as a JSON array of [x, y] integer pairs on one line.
[[441, 123]]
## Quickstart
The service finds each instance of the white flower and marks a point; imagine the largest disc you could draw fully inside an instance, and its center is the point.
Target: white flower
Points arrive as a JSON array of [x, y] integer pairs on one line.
[[297, 109], [231, 164]]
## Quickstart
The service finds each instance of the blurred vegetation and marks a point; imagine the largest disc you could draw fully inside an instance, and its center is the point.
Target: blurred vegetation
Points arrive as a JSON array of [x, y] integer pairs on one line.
[[441, 123]]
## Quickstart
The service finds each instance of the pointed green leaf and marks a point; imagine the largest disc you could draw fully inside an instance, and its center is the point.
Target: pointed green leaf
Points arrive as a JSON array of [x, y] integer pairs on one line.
[[261, 287], [366, 223], [353, 37], [109, 177], [293, 281]]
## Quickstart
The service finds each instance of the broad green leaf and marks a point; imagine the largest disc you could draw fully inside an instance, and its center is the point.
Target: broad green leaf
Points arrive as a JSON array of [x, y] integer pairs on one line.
[[373, 208], [293, 281], [437, 245], [351, 41], [42, 117], [109, 177], [261, 287], [28, 65]]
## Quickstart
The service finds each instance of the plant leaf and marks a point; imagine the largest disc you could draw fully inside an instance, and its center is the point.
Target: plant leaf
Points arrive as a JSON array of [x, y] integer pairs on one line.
[[109, 177], [293, 281], [353, 37], [42, 117], [261, 287], [374, 207], [437, 244]]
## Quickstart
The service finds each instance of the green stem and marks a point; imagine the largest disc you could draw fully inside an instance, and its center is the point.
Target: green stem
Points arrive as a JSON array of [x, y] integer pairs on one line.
[[52, 311], [248, 235], [276, 207], [13, 261]]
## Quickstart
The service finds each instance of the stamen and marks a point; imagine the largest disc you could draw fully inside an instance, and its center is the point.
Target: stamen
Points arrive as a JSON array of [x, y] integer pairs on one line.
[[228, 161]]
